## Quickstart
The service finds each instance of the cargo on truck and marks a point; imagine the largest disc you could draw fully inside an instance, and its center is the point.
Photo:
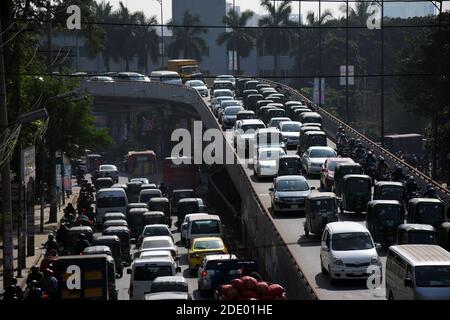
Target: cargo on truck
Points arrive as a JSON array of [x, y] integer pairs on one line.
[[188, 69]]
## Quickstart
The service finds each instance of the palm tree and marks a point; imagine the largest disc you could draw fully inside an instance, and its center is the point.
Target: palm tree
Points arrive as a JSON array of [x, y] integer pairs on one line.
[[103, 14], [276, 40], [187, 41], [313, 20], [358, 14], [147, 41], [241, 40]]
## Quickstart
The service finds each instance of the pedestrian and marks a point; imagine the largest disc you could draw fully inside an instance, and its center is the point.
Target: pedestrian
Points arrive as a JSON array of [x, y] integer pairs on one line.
[[49, 284], [33, 291], [35, 275]]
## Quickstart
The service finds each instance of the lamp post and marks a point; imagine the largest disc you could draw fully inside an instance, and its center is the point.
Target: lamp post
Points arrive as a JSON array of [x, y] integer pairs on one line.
[[162, 34]]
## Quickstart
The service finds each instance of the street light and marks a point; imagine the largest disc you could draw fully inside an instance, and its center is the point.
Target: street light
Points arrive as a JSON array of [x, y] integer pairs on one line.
[[162, 34]]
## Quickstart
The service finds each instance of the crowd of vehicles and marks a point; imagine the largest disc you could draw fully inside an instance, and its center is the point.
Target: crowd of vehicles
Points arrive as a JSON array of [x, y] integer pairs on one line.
[[352, 181]]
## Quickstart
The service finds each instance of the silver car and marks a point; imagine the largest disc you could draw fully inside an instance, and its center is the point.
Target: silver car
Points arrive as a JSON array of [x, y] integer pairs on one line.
[[314, 158], [288, 193]]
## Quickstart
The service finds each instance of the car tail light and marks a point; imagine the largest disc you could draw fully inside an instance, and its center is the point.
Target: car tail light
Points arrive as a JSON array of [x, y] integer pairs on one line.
[[204, 274]]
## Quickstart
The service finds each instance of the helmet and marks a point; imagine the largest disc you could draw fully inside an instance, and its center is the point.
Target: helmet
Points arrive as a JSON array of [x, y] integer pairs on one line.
[[369, 153], [410, 178], [82, 236], [34, 268], [381, 159], [51, 237], [33, 283]]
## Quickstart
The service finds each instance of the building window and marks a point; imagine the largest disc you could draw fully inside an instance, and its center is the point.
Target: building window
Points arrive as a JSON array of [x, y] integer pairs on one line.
[[84, 51]]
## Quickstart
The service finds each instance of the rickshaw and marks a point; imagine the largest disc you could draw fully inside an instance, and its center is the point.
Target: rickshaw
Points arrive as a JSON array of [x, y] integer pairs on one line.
[[115, 223], [356, 193], [310, 117], [275, 98], [252, 100], [114, 216], [245, 114], [101, 183], [251, 85], [266, 93], [262, 103], [274, 113], [189, 205], [124, 236], [444, 236], [280, 96], [113, 243], [320, 209], [414, 233], [261, 113], [297, 112], [100, 249], [133, 190], [426, 211], [340, 171], [146, 195], [146, 186], [262, 85], [176, 196], [289, 165], [383, 218], [134, 219], [137, 205], [311, 139], [74, 236], [154, 217], [248, 92], [161, 204], [389, 190]]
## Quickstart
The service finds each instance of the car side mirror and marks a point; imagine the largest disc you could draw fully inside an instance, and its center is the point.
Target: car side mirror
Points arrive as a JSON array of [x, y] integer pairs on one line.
[[178, 269], [128, 271], [271, 189], [177, 258], [313, 188], [408, 283], [324, 246], [378, 246]]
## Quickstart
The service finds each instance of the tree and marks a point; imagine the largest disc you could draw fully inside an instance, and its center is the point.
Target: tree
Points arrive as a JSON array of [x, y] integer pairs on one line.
[[147, 41], [104, 14], [276, 40], [187, 40], [240, 39]]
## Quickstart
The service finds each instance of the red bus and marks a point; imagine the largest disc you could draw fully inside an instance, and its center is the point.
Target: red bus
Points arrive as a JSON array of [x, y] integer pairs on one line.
[[143, 164], [179, 176]]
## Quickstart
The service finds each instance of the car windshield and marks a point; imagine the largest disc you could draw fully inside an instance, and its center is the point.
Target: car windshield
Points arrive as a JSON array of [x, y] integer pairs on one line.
[[291, 127], [111, 202], [208, 244], [162, 243], [392, 193], [432, 276], [322, 153], [205, 227], [351, 241], [232, 111], [151, 272], [358, 185], [317, 140], [292, 185], [323, 204], [107, 168], [228, 103], [271, 155], [253, 127], [190, 69], [156, 231], [223, 94], [430, 213], [196, 83]]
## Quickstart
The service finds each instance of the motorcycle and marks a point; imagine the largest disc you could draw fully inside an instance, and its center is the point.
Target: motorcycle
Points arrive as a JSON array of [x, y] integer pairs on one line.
[[371, 172]]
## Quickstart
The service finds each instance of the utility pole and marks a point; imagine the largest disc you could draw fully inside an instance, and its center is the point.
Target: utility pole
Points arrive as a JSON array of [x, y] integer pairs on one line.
[[8, 266]]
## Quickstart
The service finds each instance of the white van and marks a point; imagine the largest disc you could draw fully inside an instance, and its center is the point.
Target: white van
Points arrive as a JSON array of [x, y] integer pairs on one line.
[[144, 270], [203, 226], [184, 225], [417, 272], [165, 76], [110, 200]]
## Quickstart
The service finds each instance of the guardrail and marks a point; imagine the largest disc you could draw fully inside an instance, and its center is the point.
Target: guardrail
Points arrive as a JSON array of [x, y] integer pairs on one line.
[[331, 123]]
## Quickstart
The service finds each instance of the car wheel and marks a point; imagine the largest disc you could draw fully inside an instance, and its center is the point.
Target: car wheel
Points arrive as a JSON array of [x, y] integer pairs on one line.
[[391, 296]]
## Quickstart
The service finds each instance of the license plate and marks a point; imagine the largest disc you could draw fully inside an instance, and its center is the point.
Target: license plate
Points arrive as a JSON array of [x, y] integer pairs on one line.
[[295, 206]]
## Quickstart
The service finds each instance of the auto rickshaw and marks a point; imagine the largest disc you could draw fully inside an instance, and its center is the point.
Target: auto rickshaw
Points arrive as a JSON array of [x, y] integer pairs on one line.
[[260, 104], [176, 196], [273, 113], [154, 217], [275, 99], [105, 182], [115, 223], [124, 236], [426, 211], [137, 205], [320, 209], [297, 112], [252, 100], [97, 250], [444, 236], [311, 139], [414, 233], [74, 236], [189, 205], [356, 193], [146, 186], [161, 204], [389, 190], [310, 117], [261, 113], [114, 216], [289, 165], [133, 190], [146, 195], [113, 243], [383, 218], [281, 96], [134, 219], [340, 171]]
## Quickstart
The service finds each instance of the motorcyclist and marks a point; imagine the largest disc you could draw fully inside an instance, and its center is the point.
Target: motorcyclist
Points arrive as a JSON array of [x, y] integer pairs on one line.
[[13, 291], [163, 188], [411, 186], [49, 259], [341, 139], [69, 210], [382, 169], [51, 243], [397, 174], [33, 291], [82, 244], [351, 144], [431, 192], [370, 160], [359, 151], [49, 284], [34, 275]]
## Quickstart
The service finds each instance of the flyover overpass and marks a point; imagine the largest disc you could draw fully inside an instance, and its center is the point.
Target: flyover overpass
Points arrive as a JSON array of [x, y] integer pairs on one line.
[[283, 253]]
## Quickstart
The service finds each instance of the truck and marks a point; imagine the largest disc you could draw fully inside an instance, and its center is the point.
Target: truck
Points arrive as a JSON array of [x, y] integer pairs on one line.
[[86, 277], [188, 69], [406, 144]]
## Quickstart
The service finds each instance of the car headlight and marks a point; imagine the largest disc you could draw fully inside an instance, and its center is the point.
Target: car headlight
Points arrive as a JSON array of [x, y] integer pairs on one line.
[[375, 260], [338, 262]]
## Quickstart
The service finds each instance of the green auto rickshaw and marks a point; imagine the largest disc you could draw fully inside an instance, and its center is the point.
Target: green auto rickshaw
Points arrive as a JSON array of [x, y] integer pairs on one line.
[[320, 209], [154, 217], [383, 218], [189, 205], [415, 233], [123, 233], [356, 193], [340, 171], [444, 236], [74, 236], [426, 211], [161, 204], [115, 223], [389, 190], [114, 216], [134, 219], [311, 139], [113, 242], [133, 190]]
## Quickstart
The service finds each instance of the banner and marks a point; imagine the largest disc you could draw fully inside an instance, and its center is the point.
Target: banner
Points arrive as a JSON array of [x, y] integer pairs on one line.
[[28, 164], [316, 91]]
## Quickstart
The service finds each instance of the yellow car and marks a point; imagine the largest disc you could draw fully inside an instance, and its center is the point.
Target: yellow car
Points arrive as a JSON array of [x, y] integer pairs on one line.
[[202, 247]]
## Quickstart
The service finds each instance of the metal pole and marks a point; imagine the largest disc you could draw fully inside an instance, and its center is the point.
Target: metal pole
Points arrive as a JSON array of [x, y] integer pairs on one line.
[[163, 49], [63, 189], [320, 54], [346, 66], [234, 39], [43, 188], [382, 75], [8, 266]]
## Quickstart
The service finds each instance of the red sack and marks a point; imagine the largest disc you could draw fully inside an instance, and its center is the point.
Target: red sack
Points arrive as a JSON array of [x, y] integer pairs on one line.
[[249, 294], [281, 297], [267, 297], [262, 288], [238, 284], [229, 291], [276, 290], [249, 282]]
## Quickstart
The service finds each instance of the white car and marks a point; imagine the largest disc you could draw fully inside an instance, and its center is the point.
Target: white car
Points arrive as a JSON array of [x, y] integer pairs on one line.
[[273, 123], [159, 243], [153, 230], [131, 76], [290, 131], [244, 133], [266, 137], [109, 171], [265, 162], [348, 251], [221, 93], [224, 103], [314, 158], [143, 180], [198, 85], [184, 225], [101, 79], [227, 77]]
